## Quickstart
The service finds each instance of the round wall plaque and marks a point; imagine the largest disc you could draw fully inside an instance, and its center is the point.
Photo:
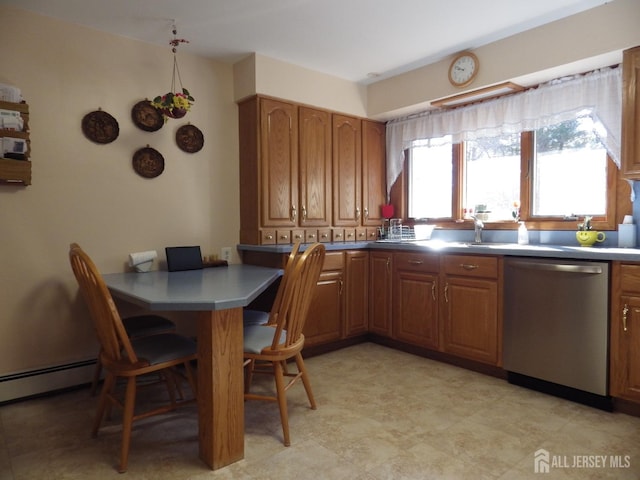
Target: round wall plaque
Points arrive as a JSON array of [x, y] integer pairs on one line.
[[147, 117], [100, 127], [148, 162], [189, 138]]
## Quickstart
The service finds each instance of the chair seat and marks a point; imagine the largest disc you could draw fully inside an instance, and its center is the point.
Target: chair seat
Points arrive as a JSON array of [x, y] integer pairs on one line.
[[163, 347], [254, 317], [259, 337], [143, 325]]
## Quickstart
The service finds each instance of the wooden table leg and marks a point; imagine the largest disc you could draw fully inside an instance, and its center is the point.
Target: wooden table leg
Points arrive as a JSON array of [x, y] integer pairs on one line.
[[220, 387]]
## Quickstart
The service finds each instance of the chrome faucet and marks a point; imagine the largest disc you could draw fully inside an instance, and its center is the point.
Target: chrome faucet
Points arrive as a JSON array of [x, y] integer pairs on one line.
[[477, 228]]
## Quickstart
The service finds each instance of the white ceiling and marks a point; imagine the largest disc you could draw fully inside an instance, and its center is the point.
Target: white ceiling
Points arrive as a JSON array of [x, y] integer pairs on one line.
[[358, 40]]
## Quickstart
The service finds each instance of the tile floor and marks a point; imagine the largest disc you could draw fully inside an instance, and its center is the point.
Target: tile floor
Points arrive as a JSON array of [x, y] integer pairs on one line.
[[382, 414]]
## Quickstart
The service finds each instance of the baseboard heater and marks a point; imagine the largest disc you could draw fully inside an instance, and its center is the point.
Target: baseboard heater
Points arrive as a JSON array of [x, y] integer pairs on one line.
[[31, 383]]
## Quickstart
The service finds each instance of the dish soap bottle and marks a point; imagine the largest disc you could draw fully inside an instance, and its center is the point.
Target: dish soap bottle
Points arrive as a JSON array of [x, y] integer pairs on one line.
[[523, 234]]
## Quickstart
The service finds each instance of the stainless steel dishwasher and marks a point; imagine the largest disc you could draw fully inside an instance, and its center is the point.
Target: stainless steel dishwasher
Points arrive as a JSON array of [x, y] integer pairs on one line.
[[556, 327]]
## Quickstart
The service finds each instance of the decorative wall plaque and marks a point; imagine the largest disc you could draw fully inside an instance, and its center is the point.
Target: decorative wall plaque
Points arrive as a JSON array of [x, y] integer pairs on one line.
[[189, 138], [100, 127], [147, 117], [148, 162]]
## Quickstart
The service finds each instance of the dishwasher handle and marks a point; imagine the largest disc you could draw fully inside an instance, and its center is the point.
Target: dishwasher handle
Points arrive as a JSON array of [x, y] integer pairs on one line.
[[558, 267]]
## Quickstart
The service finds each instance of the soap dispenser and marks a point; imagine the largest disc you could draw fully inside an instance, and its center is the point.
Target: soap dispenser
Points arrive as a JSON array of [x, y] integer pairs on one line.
[[523, 234]]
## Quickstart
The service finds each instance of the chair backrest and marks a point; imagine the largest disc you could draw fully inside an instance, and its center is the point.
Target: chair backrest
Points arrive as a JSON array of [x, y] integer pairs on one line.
[[106, 319], [302, 278], [273, 314]]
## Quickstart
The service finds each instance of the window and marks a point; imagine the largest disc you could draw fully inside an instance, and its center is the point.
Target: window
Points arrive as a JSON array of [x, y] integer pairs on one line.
[[569, 171], [492, 176], [557, 172], [431, 179]]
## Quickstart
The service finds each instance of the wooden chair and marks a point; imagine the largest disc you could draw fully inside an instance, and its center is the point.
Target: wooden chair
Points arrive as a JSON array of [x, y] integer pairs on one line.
[[268, 347], [122, 357], [136, 327], [258, 317]]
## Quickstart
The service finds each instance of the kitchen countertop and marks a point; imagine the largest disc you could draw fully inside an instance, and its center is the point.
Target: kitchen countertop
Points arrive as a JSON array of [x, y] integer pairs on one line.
[[488, 248]]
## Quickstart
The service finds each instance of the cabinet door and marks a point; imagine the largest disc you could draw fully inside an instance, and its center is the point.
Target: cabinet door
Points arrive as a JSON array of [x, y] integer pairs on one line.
[[625, 349], [380, 268], [278, 163], [315, 167], [415, 308], [324, 320], [374, 182], [357, 292], [470, 320], [347, 171], [631, 113]]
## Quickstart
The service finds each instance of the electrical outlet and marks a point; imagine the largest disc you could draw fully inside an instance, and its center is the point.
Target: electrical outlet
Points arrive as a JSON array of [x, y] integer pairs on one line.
[[225, 253]]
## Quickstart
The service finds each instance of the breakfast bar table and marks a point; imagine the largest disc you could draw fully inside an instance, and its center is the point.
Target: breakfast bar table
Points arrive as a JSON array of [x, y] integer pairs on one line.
[[218, 294]]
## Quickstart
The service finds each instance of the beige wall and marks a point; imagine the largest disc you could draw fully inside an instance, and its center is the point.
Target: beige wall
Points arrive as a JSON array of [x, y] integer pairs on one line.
[[89, 193], [267, 76], [572, 45]]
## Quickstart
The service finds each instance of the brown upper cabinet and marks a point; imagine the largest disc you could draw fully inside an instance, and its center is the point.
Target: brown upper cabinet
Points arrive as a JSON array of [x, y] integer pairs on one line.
[[303, 173], [347, 171], [631, 113]]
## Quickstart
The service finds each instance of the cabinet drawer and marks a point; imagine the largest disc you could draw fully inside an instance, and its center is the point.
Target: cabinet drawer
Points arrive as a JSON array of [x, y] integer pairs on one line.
[[283, 236], [333, 261], [324, 235], [630, 277], [268, 237], [349, 234], [420, 262], [471, 265], [361, 234]]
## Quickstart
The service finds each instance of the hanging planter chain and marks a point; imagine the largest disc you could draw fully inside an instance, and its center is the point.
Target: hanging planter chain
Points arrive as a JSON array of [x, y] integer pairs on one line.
[[174, 104]]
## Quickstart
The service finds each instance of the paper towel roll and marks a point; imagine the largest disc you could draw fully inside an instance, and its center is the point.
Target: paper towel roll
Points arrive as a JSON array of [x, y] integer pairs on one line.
[[142, 257]]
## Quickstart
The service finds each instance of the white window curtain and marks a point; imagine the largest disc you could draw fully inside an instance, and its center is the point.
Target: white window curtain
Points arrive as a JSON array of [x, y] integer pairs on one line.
[[598, 93]]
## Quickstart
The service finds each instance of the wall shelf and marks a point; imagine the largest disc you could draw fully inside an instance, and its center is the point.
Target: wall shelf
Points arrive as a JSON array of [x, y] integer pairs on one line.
[[14, 171]]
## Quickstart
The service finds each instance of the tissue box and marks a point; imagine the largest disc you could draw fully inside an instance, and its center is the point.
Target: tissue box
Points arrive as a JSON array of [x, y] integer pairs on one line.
[[627, 235]]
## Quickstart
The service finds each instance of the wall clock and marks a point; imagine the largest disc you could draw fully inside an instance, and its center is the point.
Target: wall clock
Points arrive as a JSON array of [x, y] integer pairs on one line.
[[463, 69]]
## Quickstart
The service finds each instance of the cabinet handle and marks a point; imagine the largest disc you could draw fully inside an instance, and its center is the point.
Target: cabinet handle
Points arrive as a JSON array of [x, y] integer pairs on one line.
[[294, 213], [415, 262], [357, 213], [324, 235], [298, 236], [304, 213], [389, 264], [625, 310], [433, 291], [284, 237], [341, 285], [468, 266], [446, 293], [269, 237], [312, 235], [366, 213]]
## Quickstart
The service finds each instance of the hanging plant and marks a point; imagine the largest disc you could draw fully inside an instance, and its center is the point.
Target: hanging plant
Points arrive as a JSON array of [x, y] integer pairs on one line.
[[176, 102]]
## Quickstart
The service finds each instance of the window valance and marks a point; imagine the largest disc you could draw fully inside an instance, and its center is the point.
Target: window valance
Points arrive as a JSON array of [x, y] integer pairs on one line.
[[597, 94]]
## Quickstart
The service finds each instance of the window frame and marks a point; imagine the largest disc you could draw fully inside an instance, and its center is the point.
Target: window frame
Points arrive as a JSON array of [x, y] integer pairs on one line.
[[618, 195]]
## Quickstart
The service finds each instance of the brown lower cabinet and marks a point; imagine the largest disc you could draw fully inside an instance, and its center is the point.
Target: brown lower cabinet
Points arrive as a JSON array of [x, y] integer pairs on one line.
[[380, 269], [445, 303], [339, 309], [625, 332], [471, 307], [415, 299]]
